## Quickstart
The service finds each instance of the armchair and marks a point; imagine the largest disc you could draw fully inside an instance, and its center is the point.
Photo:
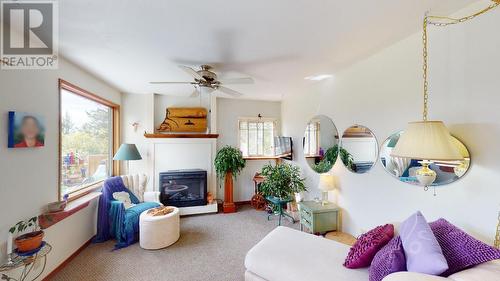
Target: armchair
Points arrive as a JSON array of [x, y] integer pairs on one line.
[[113, 220]]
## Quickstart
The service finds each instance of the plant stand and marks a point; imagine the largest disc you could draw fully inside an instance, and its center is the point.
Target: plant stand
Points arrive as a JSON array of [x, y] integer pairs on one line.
[[228, 206], [279, 202], [27, 263]]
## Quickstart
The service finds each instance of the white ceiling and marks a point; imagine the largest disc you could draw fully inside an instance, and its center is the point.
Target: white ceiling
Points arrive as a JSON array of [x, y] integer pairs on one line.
[[277, 42]]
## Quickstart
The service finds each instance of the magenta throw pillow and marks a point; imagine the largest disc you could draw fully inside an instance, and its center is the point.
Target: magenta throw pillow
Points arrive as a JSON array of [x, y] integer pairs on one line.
[[367, 245], [422, 250], [390, 259], [460, 249]]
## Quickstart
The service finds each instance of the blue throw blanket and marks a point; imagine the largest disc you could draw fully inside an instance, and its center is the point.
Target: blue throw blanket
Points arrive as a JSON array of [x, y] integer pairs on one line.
[[113, 221]]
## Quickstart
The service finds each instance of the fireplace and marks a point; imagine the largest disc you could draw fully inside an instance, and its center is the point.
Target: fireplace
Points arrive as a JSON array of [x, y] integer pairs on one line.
[[183, 188]]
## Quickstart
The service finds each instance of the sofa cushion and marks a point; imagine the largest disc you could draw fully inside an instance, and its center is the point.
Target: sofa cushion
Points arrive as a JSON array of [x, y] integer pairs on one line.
[[288, 254], [367, 245], [488, 271], [390, 259], [422, 250], [460, 249]]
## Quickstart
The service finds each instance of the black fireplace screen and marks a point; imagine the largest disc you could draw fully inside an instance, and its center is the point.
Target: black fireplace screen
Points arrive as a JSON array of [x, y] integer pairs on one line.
[[183, 188]]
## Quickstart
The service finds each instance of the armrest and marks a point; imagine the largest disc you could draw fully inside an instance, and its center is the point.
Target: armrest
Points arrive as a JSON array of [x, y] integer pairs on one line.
[[152, 196], [412, 276]]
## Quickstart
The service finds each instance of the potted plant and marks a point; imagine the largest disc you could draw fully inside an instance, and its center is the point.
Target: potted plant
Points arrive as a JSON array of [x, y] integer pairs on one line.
[[28, 241], [282, 181], [228, 164], [331, 155]]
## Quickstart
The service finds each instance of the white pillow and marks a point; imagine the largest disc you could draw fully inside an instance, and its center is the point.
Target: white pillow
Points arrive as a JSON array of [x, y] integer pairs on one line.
[[123, 197]]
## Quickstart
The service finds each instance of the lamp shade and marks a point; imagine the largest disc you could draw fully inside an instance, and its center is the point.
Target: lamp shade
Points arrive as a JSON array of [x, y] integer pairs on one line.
[[326, 182], [127, 151], [427, 140]]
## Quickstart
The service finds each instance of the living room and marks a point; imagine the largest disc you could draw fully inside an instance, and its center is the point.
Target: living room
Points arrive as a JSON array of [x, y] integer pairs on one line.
[[323, 135]]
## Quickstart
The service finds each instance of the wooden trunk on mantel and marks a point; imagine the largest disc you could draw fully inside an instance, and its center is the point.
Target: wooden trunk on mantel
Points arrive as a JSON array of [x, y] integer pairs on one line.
[[185, 119], [228, 206]]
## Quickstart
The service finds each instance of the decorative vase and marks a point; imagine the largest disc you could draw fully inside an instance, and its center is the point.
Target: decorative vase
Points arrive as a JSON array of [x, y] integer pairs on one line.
[[29, 241], [228, 206]]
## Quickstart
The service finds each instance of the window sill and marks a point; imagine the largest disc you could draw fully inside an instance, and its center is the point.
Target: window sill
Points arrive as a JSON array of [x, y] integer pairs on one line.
[[260, 157], [75, 195], [47, 220]]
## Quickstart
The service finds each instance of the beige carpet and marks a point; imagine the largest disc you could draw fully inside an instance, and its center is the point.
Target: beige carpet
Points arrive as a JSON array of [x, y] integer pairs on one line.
[[211, 247]]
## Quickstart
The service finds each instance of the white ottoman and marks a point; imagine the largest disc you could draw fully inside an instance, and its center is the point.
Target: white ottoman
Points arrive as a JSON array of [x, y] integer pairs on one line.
[[160, 231]]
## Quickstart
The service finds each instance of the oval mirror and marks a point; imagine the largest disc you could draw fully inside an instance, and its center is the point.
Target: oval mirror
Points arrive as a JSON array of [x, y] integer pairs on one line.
[[405, 169], [321, 143], [359, 149]]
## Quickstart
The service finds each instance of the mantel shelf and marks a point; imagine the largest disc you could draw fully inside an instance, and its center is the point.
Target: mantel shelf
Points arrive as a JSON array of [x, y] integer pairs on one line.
[[185, 136]]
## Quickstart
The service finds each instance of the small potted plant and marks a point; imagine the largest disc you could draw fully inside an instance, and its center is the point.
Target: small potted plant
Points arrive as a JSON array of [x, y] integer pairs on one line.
[[228, 164], [28, 241], [282, 181]]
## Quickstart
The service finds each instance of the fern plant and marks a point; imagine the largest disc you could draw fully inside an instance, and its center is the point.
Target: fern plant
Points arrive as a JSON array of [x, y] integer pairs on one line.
[[228, 159], [331, 155]]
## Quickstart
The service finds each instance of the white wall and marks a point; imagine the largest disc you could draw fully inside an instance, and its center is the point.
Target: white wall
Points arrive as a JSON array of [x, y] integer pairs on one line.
[[383, 92], [29, 176], [228, 112]]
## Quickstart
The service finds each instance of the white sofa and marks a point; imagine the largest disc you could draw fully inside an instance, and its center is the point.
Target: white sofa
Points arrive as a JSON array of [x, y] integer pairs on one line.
[[291, 255]]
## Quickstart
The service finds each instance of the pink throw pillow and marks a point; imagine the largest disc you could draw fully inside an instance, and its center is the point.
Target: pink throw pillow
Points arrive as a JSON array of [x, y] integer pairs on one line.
[[368, 244]]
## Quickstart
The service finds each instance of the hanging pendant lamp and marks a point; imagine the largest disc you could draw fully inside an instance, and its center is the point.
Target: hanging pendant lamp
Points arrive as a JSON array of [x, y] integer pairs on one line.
[[426, 140]]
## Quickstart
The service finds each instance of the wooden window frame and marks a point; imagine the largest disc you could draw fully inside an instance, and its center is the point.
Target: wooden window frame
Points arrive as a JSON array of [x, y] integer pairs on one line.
[[65, 85]]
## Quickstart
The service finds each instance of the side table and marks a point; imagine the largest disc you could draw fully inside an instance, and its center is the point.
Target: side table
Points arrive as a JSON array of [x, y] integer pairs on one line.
[[27, 263], [280, 213], [318, 218]]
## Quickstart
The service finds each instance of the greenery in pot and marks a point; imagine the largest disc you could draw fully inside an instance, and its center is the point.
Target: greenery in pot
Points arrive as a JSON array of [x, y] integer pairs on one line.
[[229, 159], [331, 155], [30, 240], [282, 181]]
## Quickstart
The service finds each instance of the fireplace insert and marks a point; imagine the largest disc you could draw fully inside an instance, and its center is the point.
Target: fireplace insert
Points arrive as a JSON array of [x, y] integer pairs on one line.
[[183, 188]]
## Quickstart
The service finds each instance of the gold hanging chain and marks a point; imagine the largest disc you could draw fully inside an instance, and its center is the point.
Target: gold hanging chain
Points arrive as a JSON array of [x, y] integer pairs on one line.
[[442, 21]]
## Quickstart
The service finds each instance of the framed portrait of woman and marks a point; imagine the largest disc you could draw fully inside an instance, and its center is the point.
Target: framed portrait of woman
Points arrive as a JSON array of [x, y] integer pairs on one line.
[[26, 130]]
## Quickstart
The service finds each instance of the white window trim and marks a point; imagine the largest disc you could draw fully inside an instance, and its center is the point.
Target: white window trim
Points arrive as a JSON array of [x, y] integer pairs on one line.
[[276, 130]]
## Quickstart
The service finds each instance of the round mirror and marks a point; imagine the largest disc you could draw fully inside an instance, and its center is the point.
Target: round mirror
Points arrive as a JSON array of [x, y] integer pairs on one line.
[[405, 169], [359, 149], [321, 144]]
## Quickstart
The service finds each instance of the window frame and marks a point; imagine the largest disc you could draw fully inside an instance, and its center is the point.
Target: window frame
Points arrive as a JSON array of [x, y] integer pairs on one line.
[[262, 120], [317, 140], [115, 142]]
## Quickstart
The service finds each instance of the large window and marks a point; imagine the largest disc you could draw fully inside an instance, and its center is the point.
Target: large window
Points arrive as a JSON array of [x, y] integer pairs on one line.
[[87, 139], [311, 139], [256, 137]]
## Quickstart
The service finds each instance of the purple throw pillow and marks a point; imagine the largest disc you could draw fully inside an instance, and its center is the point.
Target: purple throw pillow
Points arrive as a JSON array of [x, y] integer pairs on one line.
[[460, 249], [422, 250], [367, 245], [390, 259]]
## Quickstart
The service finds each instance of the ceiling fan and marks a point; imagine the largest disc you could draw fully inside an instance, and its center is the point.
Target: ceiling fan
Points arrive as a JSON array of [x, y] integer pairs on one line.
[[205, 77]]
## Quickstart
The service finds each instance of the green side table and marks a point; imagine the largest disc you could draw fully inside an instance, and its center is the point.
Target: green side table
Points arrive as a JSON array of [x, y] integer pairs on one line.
[[318, 218]]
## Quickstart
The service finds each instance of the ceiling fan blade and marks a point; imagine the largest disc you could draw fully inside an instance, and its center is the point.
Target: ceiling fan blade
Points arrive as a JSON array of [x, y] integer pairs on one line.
[[171, 82], [244, 80], [191, 72], [228, 91]]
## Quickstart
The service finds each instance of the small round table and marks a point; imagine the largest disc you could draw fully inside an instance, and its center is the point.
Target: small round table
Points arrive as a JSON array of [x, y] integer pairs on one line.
[[27, 263], [279, 203], [157, 232]]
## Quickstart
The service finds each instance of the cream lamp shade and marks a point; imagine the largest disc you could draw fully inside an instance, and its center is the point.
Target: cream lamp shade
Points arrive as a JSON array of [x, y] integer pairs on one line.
[[427, 140], [326, 182]]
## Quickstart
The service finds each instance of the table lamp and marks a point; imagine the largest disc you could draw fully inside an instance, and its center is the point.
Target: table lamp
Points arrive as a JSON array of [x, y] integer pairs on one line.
[[127, 152], [326, 183]]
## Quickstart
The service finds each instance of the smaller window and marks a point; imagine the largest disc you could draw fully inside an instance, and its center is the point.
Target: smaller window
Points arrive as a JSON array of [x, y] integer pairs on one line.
[[256, 137], [311, 139]]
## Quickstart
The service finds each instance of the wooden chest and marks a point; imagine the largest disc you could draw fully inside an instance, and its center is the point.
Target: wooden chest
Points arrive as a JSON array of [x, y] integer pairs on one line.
[[184, 119]]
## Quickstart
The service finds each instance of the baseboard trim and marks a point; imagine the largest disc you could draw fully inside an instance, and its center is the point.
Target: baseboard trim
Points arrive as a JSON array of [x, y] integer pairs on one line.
[[66, 261]]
